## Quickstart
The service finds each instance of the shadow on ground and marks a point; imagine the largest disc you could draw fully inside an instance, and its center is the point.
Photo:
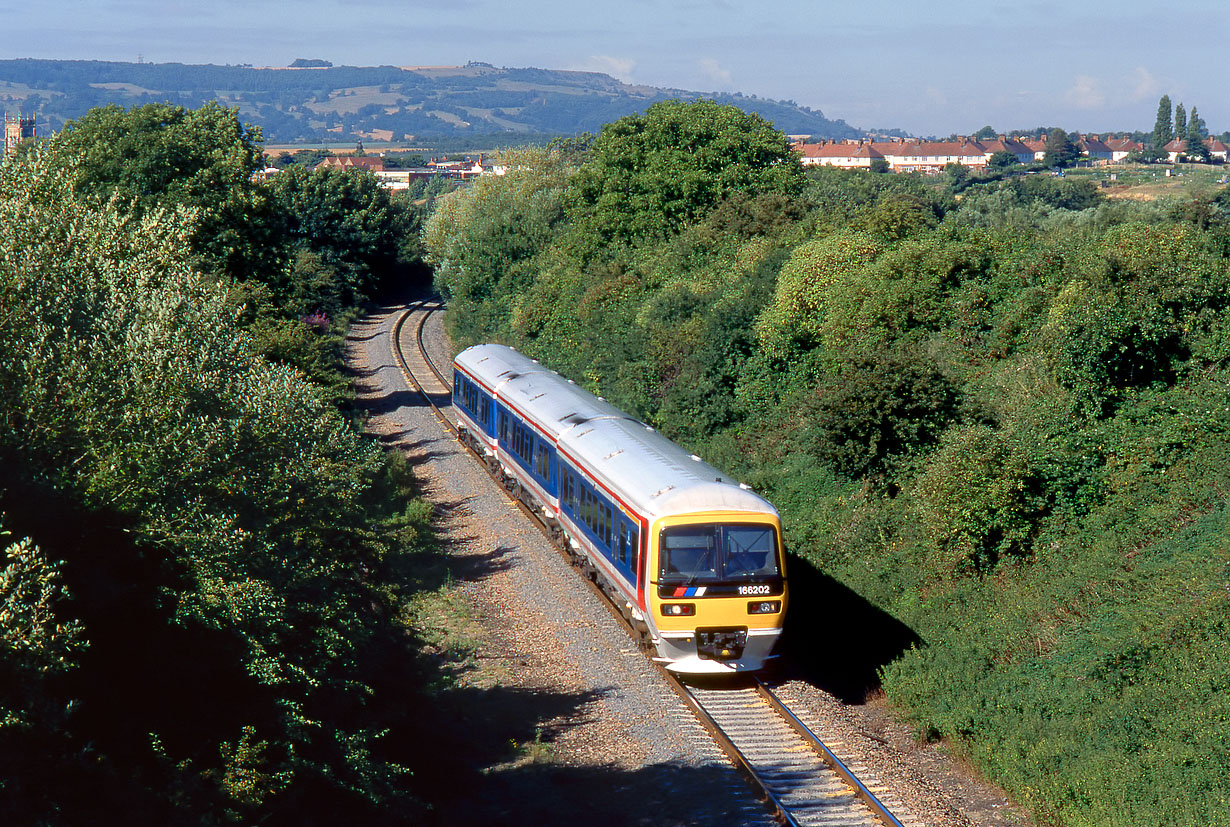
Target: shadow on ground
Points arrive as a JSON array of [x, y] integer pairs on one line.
[[493, 764]]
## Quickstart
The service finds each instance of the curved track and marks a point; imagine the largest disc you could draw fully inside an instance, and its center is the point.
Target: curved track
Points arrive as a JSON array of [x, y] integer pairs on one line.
[[798, 777]]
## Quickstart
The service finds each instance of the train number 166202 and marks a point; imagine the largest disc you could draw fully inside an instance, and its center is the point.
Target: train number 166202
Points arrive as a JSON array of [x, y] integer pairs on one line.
[[762, 588]]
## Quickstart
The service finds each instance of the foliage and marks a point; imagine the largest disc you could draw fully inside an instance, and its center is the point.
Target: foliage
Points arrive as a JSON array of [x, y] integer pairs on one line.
[[1060, 151], [647, 176], [1163, 127], [347, 228], [165, 156], [229, 541], [998, 414]]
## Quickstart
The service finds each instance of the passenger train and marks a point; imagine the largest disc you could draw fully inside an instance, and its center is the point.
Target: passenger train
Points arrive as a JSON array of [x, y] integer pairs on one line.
[[692, 558]]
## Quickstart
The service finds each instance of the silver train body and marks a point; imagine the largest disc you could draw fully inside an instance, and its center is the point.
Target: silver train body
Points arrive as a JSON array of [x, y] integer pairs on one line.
[[692, 558]]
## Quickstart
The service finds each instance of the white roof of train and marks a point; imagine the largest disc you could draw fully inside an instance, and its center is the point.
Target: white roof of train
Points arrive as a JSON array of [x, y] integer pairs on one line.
[[652, 474]]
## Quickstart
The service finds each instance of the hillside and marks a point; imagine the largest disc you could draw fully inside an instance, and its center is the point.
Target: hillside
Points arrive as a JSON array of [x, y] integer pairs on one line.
[[345, 103]]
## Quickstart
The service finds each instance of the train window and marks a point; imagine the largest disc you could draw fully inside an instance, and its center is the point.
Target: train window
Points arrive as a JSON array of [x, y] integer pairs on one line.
[[522, 442], [485, 413], [469, 396], [750, 550], [718, 551], [542, 461], [688, 551], [503, 421], [623, 542]]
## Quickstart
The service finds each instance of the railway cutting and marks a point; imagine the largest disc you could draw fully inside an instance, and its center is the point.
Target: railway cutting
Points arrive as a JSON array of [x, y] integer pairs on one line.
[[799, 778]]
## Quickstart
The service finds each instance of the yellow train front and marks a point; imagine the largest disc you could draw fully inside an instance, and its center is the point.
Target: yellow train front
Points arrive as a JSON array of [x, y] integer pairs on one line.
[[717, 587], [693, 558]]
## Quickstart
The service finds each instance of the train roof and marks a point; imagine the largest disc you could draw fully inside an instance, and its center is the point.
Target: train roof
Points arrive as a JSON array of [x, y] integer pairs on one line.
[[652, 474]]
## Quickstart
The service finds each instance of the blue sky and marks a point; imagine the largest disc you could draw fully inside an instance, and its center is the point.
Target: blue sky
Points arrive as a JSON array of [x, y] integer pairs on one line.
[[934, 67]]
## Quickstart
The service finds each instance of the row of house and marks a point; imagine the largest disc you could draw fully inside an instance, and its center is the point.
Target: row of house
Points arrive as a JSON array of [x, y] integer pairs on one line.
[[908, 155], [401, 178]]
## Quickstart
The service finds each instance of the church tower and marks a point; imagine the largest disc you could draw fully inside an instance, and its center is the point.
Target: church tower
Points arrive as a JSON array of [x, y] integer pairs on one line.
[[16, 130]]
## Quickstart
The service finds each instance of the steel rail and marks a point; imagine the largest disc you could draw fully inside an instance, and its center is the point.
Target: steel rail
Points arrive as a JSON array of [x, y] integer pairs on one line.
[[829, 757]]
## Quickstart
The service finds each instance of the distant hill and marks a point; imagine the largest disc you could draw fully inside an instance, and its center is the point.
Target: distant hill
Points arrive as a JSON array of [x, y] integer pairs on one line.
[[312, 102]]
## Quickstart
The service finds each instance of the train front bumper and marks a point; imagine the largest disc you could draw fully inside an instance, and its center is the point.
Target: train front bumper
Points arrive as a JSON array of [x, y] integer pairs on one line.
[[680, 651]]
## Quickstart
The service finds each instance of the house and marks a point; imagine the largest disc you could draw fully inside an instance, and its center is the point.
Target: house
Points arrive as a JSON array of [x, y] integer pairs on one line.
[[845, 154], [1013, 146], [1095, 149], [1120, 148], [907, 155], [370, 162]]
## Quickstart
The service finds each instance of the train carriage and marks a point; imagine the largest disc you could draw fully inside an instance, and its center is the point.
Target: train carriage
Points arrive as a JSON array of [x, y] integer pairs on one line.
[[694, 558]]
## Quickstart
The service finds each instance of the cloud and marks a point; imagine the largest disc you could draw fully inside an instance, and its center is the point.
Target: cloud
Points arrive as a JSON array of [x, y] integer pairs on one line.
[[1085, 93], [617, 67], [712, 71], [1144, 85]]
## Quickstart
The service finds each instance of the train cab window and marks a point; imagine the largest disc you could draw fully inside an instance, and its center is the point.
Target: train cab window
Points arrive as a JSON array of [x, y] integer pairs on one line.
[[718, 552], [750, 551], [689, 552]]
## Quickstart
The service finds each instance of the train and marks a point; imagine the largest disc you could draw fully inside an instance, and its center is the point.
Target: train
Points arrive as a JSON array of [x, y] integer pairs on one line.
[[693, 559]]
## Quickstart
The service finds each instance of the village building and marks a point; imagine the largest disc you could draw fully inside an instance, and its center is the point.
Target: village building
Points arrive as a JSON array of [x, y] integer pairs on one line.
[[16, 129], [907, 155]]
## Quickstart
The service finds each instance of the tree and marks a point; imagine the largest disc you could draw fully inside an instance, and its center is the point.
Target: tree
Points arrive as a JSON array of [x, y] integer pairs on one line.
[[216, 518], [987, 133], [1180, 121], [1196, 125], [647, 175], [1163, 131], [1002, 160], [165, 156], [1060, 151], [1197, 149], [350, 221]]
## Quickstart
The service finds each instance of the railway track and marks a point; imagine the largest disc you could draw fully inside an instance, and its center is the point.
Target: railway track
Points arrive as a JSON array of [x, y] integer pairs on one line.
[[800, 779]]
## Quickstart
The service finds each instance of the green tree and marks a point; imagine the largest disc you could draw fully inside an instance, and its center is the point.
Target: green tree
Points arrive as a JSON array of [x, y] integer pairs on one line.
[[352, 224], [217, 520], [165, 156], [1197, 149], [1060, 151], [489, 231], [1180, 121], [1002, 160], [648, 175], [987, 133], [1196, 125], [1163, 129]]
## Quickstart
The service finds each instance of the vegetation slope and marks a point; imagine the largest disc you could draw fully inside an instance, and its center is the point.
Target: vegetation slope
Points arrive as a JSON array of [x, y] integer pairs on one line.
[[1001, 417], [203, 596]]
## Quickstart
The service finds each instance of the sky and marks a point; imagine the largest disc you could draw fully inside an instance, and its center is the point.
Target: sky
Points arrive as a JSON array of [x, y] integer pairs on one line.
[[937, 67]]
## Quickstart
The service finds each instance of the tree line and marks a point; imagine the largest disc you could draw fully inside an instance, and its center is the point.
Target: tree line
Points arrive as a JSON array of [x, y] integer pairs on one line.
[[202, 598], [992, 407]]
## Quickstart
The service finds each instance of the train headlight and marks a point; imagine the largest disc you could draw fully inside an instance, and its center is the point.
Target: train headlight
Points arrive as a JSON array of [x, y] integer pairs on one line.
[[678, 609], [764, 607]]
